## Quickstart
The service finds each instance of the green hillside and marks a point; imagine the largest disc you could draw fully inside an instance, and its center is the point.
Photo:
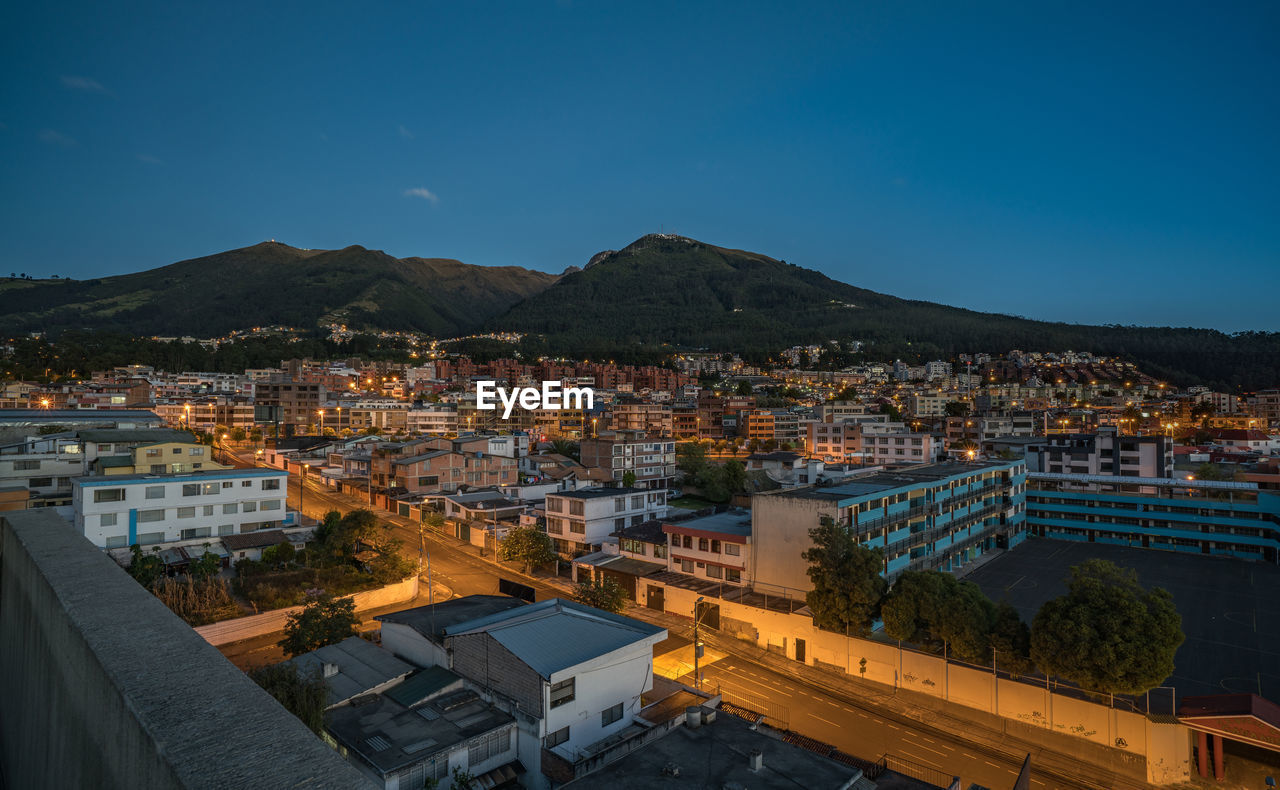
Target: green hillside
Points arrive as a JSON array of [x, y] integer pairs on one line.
[[682, 292], [269, 284]]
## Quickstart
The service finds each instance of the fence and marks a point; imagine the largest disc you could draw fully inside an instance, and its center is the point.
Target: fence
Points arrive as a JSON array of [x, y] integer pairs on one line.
[[227, 631], [924, 773], [777, 715]]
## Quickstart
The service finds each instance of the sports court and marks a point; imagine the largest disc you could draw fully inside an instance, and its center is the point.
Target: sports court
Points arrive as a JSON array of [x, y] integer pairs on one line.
[[1230, 608]]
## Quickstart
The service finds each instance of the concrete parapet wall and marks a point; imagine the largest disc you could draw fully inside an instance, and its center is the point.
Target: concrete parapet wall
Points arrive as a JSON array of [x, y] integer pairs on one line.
[[228, 631], [104, 687]]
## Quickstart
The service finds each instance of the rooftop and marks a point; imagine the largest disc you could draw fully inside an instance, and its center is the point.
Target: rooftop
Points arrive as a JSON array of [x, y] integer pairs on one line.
[[390, 736], [597, 493], [131, 435], [253, 540], [431, 621], [735, 522], [212, 474], [904, 478], [362, 667], [716, 755], [556, 634]]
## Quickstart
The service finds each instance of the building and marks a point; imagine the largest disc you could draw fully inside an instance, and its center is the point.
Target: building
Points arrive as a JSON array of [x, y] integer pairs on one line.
[[900, 448], [1104, 453], [579, 521], [119, 511], [785, 467], [715, 547], [1199, 516], [429, 466], [651, 461], [289, 406], [17, 424], [651, 419], [777, 425], [352, 667], [158, 458], [434, 419], [938, 516]]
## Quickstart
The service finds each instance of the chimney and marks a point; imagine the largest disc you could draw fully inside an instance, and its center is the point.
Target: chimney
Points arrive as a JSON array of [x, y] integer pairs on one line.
[[693, 717], [330, 669], [755, 760]]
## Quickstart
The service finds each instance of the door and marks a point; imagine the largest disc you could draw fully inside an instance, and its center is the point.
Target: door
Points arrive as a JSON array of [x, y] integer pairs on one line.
[[654, 600], [800, 650]]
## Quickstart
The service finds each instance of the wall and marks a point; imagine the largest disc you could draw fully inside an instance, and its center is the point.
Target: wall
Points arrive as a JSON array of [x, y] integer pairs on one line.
[[105, 687], [776, 550], [1168, 757], [227, 631], [619, 676]]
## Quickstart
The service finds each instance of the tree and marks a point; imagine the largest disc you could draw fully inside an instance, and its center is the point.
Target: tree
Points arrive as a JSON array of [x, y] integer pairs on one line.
[[1107, 633], [462, 779], [238, 434], [302, 694], [603, 593], [847, 585], [1011, 640], [562, 446], [145, 568], [628, 479], [528, 545], [279, 555], [323, 621], [208, 565], [931, 607], [892, 412], [691, 457], [745, 389], [956, 408]]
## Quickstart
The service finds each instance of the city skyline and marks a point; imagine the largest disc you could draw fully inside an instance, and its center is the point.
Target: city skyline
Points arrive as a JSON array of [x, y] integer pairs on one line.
[[1043, 165]]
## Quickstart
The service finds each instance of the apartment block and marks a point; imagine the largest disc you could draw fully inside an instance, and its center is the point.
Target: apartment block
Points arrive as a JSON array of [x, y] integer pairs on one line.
[[1235, 519], [118, 511], [579, 521], [939, 516], [652, 419], [715, 547], [1104, 453], [291, 405], [653, 462]]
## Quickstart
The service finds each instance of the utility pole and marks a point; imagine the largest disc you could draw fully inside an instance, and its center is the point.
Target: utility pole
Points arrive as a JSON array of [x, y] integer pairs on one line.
[[697, 646]]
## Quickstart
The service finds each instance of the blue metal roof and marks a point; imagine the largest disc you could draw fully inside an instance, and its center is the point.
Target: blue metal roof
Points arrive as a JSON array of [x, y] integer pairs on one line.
[[556, 634]]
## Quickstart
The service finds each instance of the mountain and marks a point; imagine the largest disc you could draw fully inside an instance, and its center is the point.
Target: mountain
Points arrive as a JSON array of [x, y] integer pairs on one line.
[[665, 289], [272, 283]]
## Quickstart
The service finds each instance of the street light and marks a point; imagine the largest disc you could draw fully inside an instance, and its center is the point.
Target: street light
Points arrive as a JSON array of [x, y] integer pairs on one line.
[[321, 413], [697, 646]]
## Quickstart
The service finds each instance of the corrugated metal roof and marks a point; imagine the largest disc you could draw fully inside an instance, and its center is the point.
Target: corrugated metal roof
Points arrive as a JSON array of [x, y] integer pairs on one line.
[[557, 634], [362, 666], [421, 685]]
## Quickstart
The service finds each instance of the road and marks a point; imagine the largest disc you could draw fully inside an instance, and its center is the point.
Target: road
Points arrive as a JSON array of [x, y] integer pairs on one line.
[[853, 725]]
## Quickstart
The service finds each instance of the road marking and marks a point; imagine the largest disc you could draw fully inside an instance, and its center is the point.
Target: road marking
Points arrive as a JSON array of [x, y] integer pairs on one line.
[[935, 751], [894, 726], [824, 721], [993, 765]]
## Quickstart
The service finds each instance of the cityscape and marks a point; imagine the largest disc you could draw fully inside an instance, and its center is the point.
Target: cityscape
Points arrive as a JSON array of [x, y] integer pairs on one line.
[[913, 511]]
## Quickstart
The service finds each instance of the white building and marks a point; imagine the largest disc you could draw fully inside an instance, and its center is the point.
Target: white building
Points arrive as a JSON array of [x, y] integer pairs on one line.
[[118, 511], [579, 521], [434, 419]]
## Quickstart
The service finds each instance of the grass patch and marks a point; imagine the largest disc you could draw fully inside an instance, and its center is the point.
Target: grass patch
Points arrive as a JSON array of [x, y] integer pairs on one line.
[[688, 502]]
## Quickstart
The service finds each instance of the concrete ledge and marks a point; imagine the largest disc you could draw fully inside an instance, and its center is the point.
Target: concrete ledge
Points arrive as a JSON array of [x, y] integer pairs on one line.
[[103, 686]]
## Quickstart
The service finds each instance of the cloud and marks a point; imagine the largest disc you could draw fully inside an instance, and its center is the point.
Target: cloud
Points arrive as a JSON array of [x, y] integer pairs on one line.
[[83, 84], [405, 133], [424, 193], [149, 159], [54, 137]]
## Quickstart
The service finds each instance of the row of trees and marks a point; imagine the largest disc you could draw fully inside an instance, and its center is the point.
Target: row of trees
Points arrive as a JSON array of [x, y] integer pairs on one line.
[[718, 482], [1106, 634]]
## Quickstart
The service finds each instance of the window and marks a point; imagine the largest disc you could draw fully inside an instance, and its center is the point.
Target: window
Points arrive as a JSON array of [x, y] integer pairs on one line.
[[562, 693], [228, 509], [247, 507], [715, 547], [619, 504], [226, 529], [196, 451], [118, 542], [107, 519], [39, 482], [424, 481], [660, 551], [177, 451], [270, 504], [146, 516], [108, 495], [198, 532], [25, 465], [576, 508], [155, 492], [491, 745], [688, 542], [637, 502], [703, 544], [556, 738], [227, 483], [186, 512], [154, 452], [686, 566], [610, 715], [578, 527], [714, 572], [207, 510], [246, 483], [732, 549], [150, 537], [732, 575]]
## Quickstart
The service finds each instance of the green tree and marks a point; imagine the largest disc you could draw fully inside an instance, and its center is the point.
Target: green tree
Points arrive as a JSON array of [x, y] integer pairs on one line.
[[145, 568], [238, 434], [562, 446], [604, 593], [325, 620], [745, 389], [691, 457], [628, 478], [893, 412], [305, 695], [847, 585], [932, 607], [1011, 640], [1107, 633], [462, 779], [528, 545], [208, 565]]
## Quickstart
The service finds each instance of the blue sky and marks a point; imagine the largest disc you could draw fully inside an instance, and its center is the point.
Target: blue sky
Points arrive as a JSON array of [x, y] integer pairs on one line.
[[1091, 162]]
